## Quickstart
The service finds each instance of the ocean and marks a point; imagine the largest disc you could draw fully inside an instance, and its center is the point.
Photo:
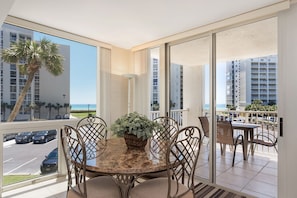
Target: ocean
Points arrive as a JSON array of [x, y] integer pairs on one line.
[[86, 107], [92, 107], [219, 106]]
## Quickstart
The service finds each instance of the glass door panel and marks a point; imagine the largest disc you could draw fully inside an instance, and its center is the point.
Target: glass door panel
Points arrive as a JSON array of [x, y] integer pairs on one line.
[[189, 89], [247, 94]]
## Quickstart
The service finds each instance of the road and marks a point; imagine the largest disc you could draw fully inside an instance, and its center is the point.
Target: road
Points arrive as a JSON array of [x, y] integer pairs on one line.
[[25, 158]]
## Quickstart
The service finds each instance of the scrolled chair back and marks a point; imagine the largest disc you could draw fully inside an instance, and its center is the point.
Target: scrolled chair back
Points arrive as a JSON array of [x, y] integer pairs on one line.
[[169, 128], [75, 155], [182, 157], [162, 137], [92, 129]]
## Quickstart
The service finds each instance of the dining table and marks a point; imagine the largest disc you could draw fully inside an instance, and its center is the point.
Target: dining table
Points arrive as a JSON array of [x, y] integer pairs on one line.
[[248, 135], [113, 157]]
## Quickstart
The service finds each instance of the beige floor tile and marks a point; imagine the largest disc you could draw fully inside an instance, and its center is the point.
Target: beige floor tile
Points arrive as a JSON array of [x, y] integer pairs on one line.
[[242, 172], [269, 171], [270, 179], [263, 188], [233, 180]]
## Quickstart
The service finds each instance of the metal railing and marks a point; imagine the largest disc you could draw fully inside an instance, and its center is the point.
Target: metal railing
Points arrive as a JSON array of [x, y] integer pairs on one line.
[[267, 120], [178, 115]]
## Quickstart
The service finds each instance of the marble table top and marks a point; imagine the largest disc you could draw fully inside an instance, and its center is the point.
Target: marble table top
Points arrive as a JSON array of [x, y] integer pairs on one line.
[[113, 157]]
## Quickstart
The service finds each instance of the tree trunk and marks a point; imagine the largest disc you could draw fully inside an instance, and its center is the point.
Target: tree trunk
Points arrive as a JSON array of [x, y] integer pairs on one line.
[[21, 98]]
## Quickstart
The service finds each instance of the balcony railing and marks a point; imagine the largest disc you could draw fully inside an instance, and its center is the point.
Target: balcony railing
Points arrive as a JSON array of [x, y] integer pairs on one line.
[[24, 160], [178, 115], [267, 120]]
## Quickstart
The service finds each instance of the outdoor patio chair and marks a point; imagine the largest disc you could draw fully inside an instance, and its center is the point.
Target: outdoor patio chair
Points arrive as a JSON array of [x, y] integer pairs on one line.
[[92, 129], [205, 126], [225, 136], [79, 187], [169, 130], [265, 139], [181, 159]]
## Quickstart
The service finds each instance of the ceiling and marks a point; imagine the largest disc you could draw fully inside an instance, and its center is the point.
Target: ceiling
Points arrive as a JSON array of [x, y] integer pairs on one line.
[[253, 40], [131, 22]]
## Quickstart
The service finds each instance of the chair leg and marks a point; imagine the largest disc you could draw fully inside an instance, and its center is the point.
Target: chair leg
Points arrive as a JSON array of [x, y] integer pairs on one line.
[[222, 150], [275, 148], [234, 153], [243, 150]]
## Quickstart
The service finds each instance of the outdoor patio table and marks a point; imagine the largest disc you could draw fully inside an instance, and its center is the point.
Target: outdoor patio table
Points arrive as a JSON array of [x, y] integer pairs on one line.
[[114, 158], [248, 130]]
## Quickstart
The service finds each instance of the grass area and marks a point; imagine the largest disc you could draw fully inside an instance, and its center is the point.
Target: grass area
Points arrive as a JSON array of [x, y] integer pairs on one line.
[[12, 179], [82, 114]]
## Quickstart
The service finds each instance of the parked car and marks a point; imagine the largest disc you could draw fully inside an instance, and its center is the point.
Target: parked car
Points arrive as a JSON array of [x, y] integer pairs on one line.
[[44, 136], [50, 163], [9, 136], [24, 137]]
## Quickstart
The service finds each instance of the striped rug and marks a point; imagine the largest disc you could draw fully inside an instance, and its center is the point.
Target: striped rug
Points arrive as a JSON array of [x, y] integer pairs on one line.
[[209, 191]]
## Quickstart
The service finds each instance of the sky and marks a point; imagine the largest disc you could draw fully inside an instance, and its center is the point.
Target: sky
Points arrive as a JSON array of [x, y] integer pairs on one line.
[[82, 70]]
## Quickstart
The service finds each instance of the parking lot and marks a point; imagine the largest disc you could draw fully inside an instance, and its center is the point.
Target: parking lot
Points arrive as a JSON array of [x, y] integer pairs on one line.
[[25, 158]]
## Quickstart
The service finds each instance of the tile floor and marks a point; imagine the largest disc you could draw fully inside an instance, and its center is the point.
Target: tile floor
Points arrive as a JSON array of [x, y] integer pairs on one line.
[[257, 176]]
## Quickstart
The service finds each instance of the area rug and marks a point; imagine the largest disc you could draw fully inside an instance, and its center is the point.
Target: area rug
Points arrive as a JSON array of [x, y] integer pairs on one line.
[[209, 191]]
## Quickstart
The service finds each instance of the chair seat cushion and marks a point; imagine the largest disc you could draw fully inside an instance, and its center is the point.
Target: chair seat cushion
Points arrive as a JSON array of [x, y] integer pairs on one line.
[[91, 174], [157, 188], [99, 187]]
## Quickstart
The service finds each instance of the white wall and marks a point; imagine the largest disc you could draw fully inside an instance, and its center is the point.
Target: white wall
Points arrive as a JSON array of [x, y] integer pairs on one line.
[[192, 93], [118, 98], [287, 47]]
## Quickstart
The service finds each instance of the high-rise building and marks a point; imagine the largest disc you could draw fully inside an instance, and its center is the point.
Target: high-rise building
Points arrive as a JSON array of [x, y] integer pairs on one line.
[[43, 87], [176, 85], [155, 76], [251, 79]]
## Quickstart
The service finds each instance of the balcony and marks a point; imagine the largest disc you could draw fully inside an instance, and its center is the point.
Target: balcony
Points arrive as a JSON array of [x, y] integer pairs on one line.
[[257, 176]]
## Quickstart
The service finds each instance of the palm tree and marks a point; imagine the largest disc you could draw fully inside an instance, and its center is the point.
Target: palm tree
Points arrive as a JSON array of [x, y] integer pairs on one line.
[[58, 106], [31, 56], [49, 106], [39, 105], [66, 106], [32, 108], [4, 105]]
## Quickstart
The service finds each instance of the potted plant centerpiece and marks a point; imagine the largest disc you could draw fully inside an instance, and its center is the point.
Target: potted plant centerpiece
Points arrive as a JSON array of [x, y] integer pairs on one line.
[[135, 128]]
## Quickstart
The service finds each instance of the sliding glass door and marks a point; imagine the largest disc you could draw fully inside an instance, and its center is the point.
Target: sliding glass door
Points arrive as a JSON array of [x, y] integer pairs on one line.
[[244, 71], [189, 88], [246, 77]]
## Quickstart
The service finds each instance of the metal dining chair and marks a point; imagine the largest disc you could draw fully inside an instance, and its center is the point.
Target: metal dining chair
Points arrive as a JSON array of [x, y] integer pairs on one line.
[[167, 132], [162, 136], [92, 129], [225, 135], [181, 158], [79, 187]]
